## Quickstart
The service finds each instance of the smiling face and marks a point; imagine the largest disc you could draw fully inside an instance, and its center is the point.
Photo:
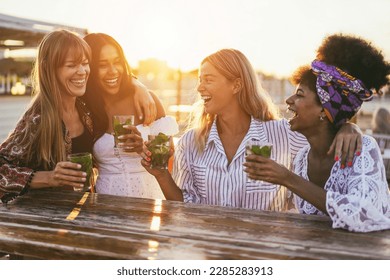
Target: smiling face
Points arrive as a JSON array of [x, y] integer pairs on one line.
[[216, 91], [73, 75], [305, 106], [110, 69]]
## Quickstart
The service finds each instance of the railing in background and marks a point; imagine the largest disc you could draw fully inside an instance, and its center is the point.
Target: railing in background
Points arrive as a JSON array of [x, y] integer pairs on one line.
[[383, 141]]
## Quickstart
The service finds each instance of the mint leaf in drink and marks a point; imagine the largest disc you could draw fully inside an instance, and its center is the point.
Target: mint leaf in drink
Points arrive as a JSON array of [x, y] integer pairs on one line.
[[159, 139], [119, 130], [159, 147], [264, 151]]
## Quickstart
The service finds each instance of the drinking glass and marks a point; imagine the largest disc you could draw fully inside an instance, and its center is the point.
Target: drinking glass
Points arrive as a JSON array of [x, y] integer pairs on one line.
[[118, 121], [258, 147], [85, 160], [159, 146]]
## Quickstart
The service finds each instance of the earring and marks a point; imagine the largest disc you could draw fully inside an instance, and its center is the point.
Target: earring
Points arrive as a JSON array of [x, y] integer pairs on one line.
[[321, 118]]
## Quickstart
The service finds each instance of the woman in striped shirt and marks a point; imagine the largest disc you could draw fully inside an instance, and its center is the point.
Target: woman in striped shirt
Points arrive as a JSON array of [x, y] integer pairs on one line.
[[208, 166]]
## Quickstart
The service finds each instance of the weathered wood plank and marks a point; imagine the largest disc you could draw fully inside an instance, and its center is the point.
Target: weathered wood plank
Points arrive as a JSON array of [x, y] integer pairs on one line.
[[70, 225]]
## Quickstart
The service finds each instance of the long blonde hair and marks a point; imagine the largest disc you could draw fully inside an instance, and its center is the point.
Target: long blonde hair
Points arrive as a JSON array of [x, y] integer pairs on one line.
[[253, 99], [48, 146]]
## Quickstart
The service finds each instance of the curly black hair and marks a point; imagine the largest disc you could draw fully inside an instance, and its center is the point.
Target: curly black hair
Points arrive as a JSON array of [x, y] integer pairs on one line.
[[303, 74], [356, 56]]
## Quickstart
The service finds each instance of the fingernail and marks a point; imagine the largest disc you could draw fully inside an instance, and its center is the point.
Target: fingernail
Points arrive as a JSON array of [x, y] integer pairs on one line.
[[84, 174], [78, 166], [140, 117], [358, 153], [342, 166], [83, 179], [336, 158], [349, 163], [148, 158], [120, 137], [149, 153]]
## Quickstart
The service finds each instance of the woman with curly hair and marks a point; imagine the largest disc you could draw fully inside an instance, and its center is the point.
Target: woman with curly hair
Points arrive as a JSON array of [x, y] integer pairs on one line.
[[328, 93]]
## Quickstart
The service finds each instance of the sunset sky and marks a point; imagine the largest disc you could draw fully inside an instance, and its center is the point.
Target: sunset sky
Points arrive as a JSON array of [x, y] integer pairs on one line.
[[276, 35]]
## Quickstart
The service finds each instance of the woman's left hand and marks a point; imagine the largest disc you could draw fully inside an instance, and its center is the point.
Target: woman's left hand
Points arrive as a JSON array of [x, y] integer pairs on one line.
[[347, 144], [265, 169], [131, 142]]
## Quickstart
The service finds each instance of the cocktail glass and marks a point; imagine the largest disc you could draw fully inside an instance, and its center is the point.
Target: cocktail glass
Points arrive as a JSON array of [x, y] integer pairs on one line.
[[159, 146], [85, 160], [257, 147], [118, 121]]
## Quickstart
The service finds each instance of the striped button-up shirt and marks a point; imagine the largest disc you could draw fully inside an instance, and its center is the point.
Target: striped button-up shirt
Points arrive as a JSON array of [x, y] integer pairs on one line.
[[207, 177]]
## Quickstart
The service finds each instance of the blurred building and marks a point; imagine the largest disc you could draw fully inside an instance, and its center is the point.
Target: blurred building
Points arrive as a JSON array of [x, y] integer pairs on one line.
[[19, 38]]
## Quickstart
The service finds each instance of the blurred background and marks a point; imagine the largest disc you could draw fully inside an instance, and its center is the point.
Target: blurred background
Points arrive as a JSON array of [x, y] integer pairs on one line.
[[165, 41]]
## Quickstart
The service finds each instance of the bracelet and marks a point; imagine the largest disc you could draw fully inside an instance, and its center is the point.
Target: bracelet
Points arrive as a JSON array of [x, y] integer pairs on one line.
[[27, 186]]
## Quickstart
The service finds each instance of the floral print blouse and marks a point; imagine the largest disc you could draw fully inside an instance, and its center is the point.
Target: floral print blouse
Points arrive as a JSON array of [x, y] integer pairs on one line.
[[15, 171]]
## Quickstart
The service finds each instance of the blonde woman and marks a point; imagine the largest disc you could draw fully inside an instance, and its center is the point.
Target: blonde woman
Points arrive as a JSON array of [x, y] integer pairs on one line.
[[208, 166]]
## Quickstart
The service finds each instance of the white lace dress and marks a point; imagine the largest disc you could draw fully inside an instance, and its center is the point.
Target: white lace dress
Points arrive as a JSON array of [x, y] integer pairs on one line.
[[121, 173], [357, 197]]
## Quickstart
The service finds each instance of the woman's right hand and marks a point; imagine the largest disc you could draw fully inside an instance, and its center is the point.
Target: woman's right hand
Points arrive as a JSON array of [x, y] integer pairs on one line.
[[67, 174]]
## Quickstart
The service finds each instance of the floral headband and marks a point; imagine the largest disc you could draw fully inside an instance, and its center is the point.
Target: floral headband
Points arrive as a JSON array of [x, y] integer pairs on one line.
[[341, 94]]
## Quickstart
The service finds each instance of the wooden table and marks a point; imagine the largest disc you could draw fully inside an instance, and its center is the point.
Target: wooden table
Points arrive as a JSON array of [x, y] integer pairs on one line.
[[71, 225]]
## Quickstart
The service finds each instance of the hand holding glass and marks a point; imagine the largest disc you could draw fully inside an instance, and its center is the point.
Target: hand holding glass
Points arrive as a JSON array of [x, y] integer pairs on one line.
[[118, 121], [256, 147], [85, 160], [159, 146]]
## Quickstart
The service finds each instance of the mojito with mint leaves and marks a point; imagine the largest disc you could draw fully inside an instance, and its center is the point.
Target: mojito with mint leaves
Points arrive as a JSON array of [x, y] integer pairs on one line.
[[159, 146], [118, 121], [85, 160], [260, 148]]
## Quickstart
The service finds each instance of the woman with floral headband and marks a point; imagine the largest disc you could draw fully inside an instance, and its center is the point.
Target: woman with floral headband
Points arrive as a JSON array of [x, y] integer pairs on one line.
[[329, 93]]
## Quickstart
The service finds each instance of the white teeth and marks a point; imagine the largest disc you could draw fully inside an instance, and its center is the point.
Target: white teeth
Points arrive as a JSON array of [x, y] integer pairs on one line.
[[78, 82], [112, 81], [289, 110], [206, 98]]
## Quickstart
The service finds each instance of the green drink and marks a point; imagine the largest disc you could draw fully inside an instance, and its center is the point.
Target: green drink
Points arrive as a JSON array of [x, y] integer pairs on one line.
[[118, 121], [159, 146], [260, 150], [256, 147], [85, 160]]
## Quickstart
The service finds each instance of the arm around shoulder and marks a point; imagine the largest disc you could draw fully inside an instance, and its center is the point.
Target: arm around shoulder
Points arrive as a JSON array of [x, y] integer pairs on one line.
[[159, 106]]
